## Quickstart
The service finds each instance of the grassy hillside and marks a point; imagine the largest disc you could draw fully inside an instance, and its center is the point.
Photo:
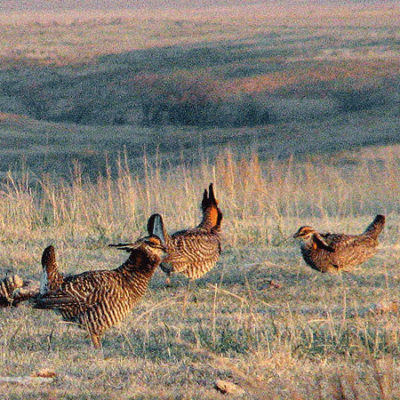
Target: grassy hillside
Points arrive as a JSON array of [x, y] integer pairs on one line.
[[242, 66], [44, 147]]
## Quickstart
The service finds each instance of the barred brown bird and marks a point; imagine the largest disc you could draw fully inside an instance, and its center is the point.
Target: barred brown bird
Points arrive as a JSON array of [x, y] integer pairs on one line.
[[333, 252], [97, 300], [194, 252], [14, 289]]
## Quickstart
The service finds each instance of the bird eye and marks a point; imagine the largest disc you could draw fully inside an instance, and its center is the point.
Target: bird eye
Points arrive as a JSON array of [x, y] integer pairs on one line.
[[152, 243]]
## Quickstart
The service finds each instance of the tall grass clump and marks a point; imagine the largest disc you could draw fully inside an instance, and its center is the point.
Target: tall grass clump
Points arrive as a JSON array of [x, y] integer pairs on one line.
[[260, 197]]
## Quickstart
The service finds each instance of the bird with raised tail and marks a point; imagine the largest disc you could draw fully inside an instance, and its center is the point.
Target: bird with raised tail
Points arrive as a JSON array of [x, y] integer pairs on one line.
[[334, 252], [50, 279], [194, 251], [97, 300]]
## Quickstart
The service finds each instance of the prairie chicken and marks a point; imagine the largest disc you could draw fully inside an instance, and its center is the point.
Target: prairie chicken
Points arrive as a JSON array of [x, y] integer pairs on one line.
[[97, 300], [194, 252], [14, 290], [332, 252]]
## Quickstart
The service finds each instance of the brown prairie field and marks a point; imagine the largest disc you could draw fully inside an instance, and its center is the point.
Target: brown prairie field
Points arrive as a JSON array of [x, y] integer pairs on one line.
[[314, 337], [328, 158]]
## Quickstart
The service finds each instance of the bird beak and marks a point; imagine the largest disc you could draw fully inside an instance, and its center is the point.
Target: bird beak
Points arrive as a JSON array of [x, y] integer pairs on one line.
[[165, 253]]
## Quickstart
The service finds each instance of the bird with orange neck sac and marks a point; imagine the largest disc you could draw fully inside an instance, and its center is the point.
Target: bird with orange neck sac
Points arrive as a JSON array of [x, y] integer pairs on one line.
[[193, 252], [97, 300], [334, 252]]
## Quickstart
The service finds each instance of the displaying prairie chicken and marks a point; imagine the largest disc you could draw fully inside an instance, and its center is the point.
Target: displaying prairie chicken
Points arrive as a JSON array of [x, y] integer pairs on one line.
[[194, 252], [97, 300], [333, 252]]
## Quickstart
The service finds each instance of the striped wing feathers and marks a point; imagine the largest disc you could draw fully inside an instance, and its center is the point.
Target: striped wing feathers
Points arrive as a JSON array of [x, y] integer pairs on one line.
[[194, 252], [85, 290], [369, 238], [340, 241], [328, 252]]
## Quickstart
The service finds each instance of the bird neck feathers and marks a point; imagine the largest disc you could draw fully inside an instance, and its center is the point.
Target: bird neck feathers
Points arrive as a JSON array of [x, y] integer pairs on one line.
[[140, 264]]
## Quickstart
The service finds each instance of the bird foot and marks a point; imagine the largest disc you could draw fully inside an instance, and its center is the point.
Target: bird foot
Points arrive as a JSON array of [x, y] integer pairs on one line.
[[168, 282]]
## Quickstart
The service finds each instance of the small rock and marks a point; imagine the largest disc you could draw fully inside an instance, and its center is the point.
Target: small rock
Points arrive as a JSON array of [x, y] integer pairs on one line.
[[226, 387], [385, 307], [275, 285], [44, 373]]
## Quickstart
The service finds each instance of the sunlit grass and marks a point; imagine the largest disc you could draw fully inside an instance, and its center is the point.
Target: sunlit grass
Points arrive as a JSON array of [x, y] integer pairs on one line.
[[316, 336], [230, 324], [272, 192]]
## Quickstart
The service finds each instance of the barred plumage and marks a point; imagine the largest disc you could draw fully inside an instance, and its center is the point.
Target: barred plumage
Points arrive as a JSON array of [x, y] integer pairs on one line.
[[332, 252], [97, 300], [194, 252]]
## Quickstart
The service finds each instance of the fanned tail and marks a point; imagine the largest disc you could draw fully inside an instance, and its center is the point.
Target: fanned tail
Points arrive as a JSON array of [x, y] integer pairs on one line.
[[375, 228], [212, 215], [50, 278]]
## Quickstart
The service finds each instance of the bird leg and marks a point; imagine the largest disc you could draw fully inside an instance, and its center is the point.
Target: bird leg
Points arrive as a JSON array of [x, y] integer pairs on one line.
[[168, 279], [95, 340]]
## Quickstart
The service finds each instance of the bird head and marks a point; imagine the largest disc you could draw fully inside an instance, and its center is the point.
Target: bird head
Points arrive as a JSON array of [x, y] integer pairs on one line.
[[151, 245], [304, 233]]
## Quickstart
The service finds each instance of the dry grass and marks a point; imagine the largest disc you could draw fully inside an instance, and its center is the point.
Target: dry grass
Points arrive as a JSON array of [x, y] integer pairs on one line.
[[314, 337], [318, 336], [336, 187]]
